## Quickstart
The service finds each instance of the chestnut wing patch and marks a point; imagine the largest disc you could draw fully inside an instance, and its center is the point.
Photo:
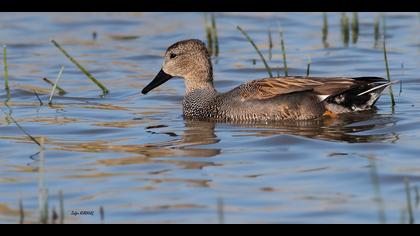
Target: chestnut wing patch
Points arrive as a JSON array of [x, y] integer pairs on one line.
[[272, 87]]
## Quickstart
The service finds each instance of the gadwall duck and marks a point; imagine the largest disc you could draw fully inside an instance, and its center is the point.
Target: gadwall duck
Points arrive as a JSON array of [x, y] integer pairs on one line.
[[269, 99]]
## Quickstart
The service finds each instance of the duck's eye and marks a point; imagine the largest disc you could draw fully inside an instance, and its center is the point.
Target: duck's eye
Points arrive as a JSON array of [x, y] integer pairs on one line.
[[172, 55]]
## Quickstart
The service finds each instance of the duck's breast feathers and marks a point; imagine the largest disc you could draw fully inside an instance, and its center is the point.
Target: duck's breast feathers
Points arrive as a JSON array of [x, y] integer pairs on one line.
[[323, 86]]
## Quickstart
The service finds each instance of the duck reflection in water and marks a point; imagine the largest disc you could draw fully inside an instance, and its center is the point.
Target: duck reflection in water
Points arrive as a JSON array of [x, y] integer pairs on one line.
[[351, 128]]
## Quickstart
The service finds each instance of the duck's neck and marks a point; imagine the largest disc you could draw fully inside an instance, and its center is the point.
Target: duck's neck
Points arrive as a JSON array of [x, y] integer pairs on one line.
[[198, 85], [200, 79]]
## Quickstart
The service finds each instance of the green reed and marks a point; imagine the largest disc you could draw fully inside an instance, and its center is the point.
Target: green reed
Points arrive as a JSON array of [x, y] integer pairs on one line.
[[270, 45], [376, 32], [256, 49], [388, 75], [383, 24], [22, 129], [61, 91], [61, 201], [325, 29], [309, 66], [215, 35], [220, 210], [55, 85], [6, 71], [209, 35], [99, 84], [283, 51], [408, 198], [355, 27], [42, 190], [102, 214], [403, 214], [377, 190], [345, 29], [21, 212]]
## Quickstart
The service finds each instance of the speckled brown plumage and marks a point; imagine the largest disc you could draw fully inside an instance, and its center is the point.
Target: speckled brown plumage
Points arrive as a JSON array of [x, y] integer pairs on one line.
[[269, 99]]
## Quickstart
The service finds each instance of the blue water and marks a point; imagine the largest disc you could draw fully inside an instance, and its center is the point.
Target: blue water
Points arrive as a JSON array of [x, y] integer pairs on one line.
[[136, 156]]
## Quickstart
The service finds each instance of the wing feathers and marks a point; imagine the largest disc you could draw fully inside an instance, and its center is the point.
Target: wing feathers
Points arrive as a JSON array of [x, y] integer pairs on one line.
[[323, 87]]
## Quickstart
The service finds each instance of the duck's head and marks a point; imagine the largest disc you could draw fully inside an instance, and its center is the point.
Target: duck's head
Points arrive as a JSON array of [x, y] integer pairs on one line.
[[187, 59]]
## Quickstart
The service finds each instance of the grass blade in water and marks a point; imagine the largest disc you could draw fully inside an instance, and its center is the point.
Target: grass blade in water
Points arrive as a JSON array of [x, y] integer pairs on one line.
[[99, 84], [61, 198], [325, 29], [355, 27], [61, 91], [6, 72], [215, 36], [345, 29], [270, 45], [208, 35], [388, 76], [220, 210], [283, 49], [256, 48], [309, 66], [42, 190], [21, 128], [21, 212], [55, 84], [377, 190], [409, 205], [376, 31]]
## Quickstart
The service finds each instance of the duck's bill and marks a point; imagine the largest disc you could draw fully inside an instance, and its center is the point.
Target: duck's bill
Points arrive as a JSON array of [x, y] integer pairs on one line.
[[160, 78]]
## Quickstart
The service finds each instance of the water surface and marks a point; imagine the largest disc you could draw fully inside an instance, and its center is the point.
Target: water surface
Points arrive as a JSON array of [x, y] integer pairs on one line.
[[136, 156]]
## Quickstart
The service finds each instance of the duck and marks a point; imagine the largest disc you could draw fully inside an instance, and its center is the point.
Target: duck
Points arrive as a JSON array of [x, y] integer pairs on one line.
[[266, 99]]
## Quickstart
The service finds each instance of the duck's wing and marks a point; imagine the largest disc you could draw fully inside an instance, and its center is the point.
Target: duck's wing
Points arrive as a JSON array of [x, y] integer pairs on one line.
[[322, 86], [272, 87]]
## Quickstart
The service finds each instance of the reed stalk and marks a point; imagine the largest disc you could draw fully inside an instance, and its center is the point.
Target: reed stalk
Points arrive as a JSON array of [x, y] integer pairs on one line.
[[55, 85], [391, 93], [89, 75], [6, 71], [256, 49], [283, 49]]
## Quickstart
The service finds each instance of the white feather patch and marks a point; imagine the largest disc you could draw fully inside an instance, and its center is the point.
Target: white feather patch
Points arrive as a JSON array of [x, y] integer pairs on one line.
[[322, 97]]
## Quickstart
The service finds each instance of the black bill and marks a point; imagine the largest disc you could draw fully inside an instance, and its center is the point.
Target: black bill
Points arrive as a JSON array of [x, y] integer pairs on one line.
[[160, 78]]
